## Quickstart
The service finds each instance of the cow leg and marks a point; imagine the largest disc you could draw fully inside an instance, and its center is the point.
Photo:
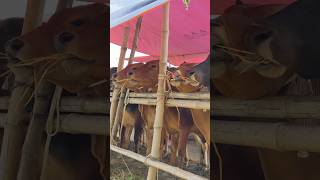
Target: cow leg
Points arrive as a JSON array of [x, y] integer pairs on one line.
[[149, 133], [127, 135], [183, 137], [174, 148]]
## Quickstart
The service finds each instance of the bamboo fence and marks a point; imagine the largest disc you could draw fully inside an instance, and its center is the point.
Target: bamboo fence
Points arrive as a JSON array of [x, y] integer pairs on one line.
[[157, 164]]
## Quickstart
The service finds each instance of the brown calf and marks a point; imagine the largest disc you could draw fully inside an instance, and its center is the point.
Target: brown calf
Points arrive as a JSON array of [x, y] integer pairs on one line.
[[177, 121]]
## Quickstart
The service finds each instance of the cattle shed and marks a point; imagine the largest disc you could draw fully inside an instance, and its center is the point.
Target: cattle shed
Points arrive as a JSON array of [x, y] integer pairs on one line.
[[141, 26], [23, 131]]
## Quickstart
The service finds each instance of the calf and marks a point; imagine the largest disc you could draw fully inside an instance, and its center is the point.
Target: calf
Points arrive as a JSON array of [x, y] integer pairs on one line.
[[289, 37], [177, 121], [40, 43], [236, 72], [131, 119], [239, 163]]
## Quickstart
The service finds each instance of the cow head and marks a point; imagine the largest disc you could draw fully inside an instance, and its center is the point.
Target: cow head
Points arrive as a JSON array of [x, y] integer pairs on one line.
[[289, 37], [139, 76], [125, 76], [182, 81], [40, 42], [237, 70]]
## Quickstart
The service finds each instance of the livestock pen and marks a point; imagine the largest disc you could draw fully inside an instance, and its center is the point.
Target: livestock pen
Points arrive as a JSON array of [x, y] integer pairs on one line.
[[120, 97], [21, 145]]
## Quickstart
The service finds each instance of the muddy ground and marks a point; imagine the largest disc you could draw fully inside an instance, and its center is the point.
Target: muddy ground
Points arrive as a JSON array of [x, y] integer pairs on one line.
[[124, 168]]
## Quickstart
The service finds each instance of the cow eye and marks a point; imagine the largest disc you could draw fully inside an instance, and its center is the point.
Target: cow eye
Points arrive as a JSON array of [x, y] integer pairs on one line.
[[77, 22], [153, 66], [134, 68]]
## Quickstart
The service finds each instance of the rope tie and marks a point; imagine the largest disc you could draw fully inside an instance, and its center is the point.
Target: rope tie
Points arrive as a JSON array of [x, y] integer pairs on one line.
[[52, 126]]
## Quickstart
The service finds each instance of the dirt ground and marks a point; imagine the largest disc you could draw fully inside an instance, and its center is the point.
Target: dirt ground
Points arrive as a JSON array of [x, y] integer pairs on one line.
[[123, 168]]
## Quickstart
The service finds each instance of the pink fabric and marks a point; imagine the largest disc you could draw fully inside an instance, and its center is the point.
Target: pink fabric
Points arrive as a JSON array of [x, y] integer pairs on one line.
[[218, 6], [189, 36]]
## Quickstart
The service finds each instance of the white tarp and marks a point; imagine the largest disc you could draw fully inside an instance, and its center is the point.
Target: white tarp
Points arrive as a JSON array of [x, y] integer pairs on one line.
[[124, 10]]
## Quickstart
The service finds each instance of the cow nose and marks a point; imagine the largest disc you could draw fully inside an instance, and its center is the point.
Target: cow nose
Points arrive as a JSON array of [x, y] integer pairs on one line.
[[66, 37], [15, 44], [114, 75], [130, 73]]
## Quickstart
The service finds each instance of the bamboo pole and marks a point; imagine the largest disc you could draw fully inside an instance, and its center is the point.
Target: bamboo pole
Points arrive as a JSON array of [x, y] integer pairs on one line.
[[193, 104], [116, 90], [14, 132], [157, 164], [119, 112], [277, 136], [285, 107], [135, 39], [76, 123], [157, 127], [30, 168], [174, 95], [84, 105]]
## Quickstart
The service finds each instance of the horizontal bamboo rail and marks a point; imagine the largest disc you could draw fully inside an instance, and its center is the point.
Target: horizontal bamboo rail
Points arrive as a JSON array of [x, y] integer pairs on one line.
[[157, 164], [277, 136], [173, 95], [193, 104], [275, 107], [74, 104], [77, 123]]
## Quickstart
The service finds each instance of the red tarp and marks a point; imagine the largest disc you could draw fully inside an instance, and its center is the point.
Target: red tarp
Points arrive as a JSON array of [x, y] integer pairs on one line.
[[189, 36], [218, 6]]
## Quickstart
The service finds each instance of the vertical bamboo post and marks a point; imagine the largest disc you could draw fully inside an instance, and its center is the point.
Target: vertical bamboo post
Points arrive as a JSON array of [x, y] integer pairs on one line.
[[119, 112], [157, 127], [135, 39], [116, 90], [14, 132]]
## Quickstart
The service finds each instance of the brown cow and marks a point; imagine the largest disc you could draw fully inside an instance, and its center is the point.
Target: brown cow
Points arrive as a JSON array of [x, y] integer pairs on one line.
[[131, 119], [239, 163], [234, 73], [201, 118], [73, 74], [133, 77], [239, 30], [289, 37], [40, 43]]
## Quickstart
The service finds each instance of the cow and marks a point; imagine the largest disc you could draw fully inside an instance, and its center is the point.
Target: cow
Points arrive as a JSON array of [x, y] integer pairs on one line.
[[41, 43], [133, 77], [131, 119], [77, 73], [289, 37], [9, 29], [260, 32], [201, 118], [239, 163], [235, 70]]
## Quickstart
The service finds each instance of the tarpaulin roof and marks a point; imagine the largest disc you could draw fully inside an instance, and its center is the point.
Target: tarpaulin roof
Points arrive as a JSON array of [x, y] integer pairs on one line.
[[218, 6], [189, 36]]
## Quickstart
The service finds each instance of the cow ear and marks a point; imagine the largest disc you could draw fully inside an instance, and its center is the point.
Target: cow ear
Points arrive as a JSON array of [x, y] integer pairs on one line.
[[271, 70]]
